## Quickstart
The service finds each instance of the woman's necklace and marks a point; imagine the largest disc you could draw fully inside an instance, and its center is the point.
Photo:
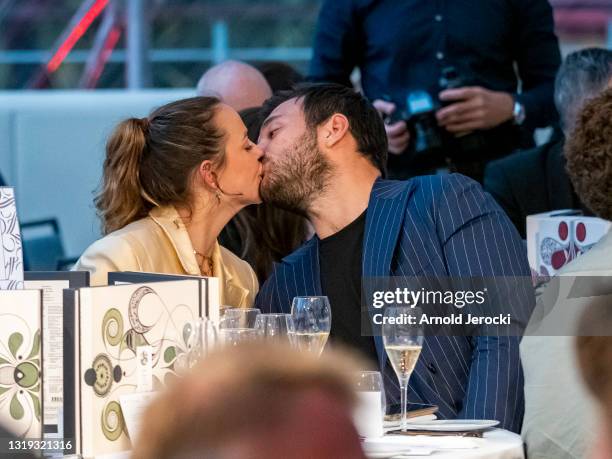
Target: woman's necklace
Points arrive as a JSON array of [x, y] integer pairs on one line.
[[206, 265]]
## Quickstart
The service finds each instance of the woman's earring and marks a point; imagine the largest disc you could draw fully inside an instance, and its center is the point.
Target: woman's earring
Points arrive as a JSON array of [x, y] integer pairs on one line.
[[218, 195]]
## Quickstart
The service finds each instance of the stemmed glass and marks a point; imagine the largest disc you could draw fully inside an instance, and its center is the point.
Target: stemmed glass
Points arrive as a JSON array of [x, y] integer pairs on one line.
[[403, 343], [239, 318], [200, 337], [238, 325], [273, 326], [310, 323]]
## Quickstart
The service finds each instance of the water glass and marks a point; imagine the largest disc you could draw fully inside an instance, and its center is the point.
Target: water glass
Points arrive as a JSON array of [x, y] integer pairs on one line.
[[273, 326]]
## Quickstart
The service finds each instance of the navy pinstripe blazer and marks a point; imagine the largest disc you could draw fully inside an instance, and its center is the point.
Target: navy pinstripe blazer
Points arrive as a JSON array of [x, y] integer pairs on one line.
[[433, 226]]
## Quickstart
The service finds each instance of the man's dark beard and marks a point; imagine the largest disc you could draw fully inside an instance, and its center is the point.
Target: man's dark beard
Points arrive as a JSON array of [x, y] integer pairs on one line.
[[297, 177]]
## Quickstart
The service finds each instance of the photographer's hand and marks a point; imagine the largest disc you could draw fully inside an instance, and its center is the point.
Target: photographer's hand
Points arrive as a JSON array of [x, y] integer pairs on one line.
[[397, 133], [476, 108]]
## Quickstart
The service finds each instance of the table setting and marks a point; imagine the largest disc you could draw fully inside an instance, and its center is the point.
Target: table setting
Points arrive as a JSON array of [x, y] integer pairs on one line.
[[414, 432]]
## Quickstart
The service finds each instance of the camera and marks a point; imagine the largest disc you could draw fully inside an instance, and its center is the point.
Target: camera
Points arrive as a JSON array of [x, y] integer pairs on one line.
[[426, 137]]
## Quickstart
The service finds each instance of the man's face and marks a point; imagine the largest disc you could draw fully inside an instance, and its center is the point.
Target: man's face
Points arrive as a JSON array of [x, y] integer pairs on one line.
[[295, 170]]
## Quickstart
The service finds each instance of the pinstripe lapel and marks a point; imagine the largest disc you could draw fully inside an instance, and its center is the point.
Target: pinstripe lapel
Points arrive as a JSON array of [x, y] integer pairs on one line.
[[306, 260], [384, 220]]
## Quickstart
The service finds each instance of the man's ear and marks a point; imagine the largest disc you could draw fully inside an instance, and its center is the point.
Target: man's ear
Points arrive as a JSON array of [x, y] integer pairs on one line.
[[333, 130]]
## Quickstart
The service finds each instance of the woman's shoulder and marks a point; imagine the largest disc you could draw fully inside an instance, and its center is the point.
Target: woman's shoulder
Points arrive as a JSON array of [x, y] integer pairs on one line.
[[240, 268], [125, 237]]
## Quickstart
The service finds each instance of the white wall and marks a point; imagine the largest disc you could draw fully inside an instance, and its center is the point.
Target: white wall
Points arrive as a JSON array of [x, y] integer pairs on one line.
[[52, 149]]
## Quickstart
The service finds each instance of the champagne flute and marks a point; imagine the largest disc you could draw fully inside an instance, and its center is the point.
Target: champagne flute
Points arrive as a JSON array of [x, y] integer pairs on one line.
[[310, 323], [403, 343], [272, 326]]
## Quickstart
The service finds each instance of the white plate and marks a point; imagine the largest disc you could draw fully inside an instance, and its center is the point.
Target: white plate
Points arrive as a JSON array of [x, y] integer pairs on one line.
[[453, 425]]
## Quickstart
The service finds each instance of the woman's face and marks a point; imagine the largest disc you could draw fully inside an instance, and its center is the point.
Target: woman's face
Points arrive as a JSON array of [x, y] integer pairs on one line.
[[239, 177]]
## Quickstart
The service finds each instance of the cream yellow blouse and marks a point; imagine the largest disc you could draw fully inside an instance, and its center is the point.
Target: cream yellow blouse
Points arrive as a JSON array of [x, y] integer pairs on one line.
[[160, 243]]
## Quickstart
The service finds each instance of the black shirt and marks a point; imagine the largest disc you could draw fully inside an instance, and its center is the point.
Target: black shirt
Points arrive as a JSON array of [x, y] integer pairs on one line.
[[340, 262]]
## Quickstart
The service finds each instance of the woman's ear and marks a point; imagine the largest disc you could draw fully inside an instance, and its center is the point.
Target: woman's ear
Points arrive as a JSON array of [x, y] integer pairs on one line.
[[207, 175]]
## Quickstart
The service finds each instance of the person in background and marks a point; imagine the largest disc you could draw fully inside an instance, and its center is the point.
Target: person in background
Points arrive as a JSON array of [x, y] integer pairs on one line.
[[256, 401], [324, 149], [280, 75], [171, 182], [559, 419], [485, 48], [236, 83], [535, 181]]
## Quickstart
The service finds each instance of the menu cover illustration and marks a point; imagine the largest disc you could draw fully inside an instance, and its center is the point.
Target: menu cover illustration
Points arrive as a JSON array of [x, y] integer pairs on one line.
[[210, 292], [11, 254], [111, 326], [21, 401]]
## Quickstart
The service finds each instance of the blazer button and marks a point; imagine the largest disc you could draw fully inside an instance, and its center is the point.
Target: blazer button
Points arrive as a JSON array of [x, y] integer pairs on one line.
[[432, 368]]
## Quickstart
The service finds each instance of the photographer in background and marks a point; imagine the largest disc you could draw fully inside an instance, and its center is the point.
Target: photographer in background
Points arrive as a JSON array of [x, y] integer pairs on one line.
[[411, 50]]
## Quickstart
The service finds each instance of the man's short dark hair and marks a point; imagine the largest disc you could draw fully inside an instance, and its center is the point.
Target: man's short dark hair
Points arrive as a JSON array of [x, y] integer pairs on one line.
[[321, 100], [582, 75], [589, 155]]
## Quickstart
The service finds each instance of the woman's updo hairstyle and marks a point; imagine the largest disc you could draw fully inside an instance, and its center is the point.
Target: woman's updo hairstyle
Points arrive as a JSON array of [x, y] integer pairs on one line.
[[150, 161]]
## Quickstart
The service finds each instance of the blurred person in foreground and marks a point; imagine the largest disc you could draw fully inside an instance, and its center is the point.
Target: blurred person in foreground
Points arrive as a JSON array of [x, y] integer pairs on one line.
[[171, 182], [325, 149], [256, 401], [534, 181], [461, 64], [261, 234], [558, 412], [236, 83], [594, 349]]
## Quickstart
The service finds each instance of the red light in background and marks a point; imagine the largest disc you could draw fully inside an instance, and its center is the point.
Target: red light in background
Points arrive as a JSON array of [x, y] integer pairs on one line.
[[75, 35]]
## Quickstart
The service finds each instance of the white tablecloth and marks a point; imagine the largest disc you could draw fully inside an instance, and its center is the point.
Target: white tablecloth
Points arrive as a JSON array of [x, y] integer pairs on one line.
[[496, 444]]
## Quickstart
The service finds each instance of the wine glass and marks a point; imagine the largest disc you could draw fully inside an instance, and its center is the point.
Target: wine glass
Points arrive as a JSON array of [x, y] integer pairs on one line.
[[235, 336], [272, 326], [403, 343], [200, 336], [310, 323], [239, 318], [202, 339]]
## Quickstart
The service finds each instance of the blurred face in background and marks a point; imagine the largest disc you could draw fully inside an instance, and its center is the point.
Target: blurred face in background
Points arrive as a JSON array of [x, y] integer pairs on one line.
[[295, 169]]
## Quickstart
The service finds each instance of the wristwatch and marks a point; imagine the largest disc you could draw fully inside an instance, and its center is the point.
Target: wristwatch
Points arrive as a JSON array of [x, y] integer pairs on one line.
[[518, 113]]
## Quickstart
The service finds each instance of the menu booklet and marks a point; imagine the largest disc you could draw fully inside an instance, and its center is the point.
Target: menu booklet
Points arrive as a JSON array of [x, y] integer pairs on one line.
[[120, 340], [21, 351], [11, 253], [52, 284]]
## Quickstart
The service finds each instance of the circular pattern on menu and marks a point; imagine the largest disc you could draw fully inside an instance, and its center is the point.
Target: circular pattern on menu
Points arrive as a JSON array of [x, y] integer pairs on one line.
[[100, 375]]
